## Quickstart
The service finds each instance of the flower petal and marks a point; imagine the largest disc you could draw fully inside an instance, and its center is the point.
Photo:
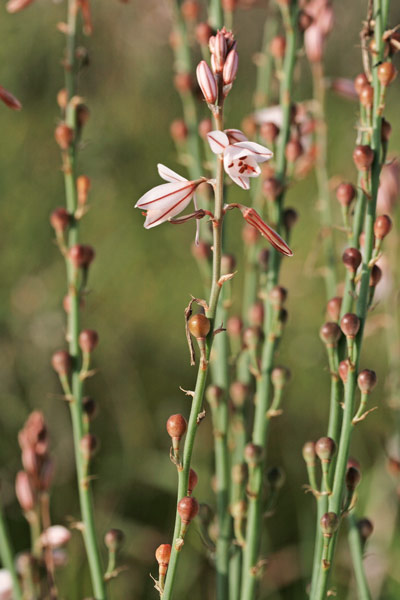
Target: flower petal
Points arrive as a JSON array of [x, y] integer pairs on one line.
[[235, 135], [242, 181], [260, 153], [272, 114], [157, 216], [168, 174], [165, 195], [218, 141]]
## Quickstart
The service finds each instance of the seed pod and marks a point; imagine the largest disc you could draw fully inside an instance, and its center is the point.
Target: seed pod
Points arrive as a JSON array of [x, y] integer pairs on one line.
[[343, 370], [238, 392], [88, 340], [188, 507], [352, 259], [113, 539], [329, 523], [360, 81], [192, 481], [366, 381], [269, 132], [199, 326], [234, 326], [280, 376], [64, 136], [276, 477], [61, 362], [89, 406], [375, 276], [386, 73], [293, 150], [253, 454], [365, 528], [309, 453], [277, 47], [178, 130], [81, 255], [325, 449], [163, 555], [89, 445], [353, 478], [272, 188], [333, 308], [24, 491], [330, 334], [350, 325], [345, 194], [382, 226], [176, 426], [278, 295], [363, 157], [367, 95], [60, 219], [290, 218]]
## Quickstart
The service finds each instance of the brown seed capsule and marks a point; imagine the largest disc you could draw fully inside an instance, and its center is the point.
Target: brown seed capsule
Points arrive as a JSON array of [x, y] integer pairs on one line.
[[290, 218], [64, 136], [375, 276], [280, 376], [345, 194], [113, 539], [365, 528], [269, 132], [325, 449], [82, 188], [329, 523], [234, 326], [386, 130], [382, 226], [363, 157], [352, 259], [253, 454], [272, 188], [88, 340], [256, 313], [330, 333], [61, 362], [386, 73], [60, 219], [203, 33], [192, 482], [188, 507], [238, 392], [89, 445], [367, 95], [343, 370], [278, 295], [24, 491], [163, 555], [89, 406], [81, 255], [353, 462], [309, 453], [333, 308], [199, 326], [353, 478], [360, 81], [293, 150], [366, 380], [178, 130], [350, 324], [176, 426], [277, 46]]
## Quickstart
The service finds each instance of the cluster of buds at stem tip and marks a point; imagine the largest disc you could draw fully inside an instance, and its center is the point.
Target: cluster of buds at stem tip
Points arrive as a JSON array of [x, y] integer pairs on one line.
[[224, 63]]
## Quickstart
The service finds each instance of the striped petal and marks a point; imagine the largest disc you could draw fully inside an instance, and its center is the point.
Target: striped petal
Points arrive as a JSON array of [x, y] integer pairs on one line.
[[235, 135], [166, 195], [168, 174], [260, 153], [254, 219], [218, 141], [242, 181]]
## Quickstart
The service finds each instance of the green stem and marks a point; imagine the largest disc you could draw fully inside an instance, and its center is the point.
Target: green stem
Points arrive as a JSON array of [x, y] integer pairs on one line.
[[84, 489], [356, 550], [7, 556]]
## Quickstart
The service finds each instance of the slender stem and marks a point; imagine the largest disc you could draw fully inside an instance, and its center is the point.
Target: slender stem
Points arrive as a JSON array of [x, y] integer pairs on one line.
[[356, 550], [85, 497], [7, 556]]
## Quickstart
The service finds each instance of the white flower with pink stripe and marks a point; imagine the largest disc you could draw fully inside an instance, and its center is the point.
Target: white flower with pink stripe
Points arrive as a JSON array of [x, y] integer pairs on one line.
[[241, 157], [165, 201]]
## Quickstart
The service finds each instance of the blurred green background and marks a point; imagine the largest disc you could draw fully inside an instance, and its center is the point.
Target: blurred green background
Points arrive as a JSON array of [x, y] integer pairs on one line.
[[139, 285]]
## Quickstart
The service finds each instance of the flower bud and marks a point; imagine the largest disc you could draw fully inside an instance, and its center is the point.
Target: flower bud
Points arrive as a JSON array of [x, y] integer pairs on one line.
[[55, 536], [64, 136], [350, 325], [367, 96], [280, 376], [365, 528], [278, 295], [314, 43], [345, 194], [192, 481], [199, 326], [234, 326], [363, 157], [253, 454], [386, 73], [61, 362], [88, 340], [329, 523], [360, 81], [60, 219], [353, 478], [176, 426], [24, 491], [113, 539], [83, 187], [238, 392], [277, 47], [269, 132], [366, 381], [343, 370], [309, 453], [218, 51], [230, 67], [206, 81], [330, 333], [188, 507], [382, 226], [352, 259], [89, 446], [81, 255], [333, 308], [375, 276], [325, 449], [163, 555]]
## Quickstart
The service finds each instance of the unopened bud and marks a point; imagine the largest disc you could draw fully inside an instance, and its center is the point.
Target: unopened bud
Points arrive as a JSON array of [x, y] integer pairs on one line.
[[363, 157], [55, 536], [81, 255], [343, 370], [88, 340], [82, 187], [309, 453], [230, 67], [333, 308], [24, 491], [199, 326], [64, 136], [188, 507], [253, 454], [329, 523], [60, 219], [325, 449], [113, 539], [89, 446], [61, 362], [366, 381], [352, 259], [382, 226], [330, 333], [350, 325], [192, 482], [206, 81]]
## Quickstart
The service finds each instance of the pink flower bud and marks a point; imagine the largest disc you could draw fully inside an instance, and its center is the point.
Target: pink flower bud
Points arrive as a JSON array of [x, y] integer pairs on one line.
[[24, 491], [55, 536], [314, 43], [206, 82], [254, 219], [230, 67], [219, 52]]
